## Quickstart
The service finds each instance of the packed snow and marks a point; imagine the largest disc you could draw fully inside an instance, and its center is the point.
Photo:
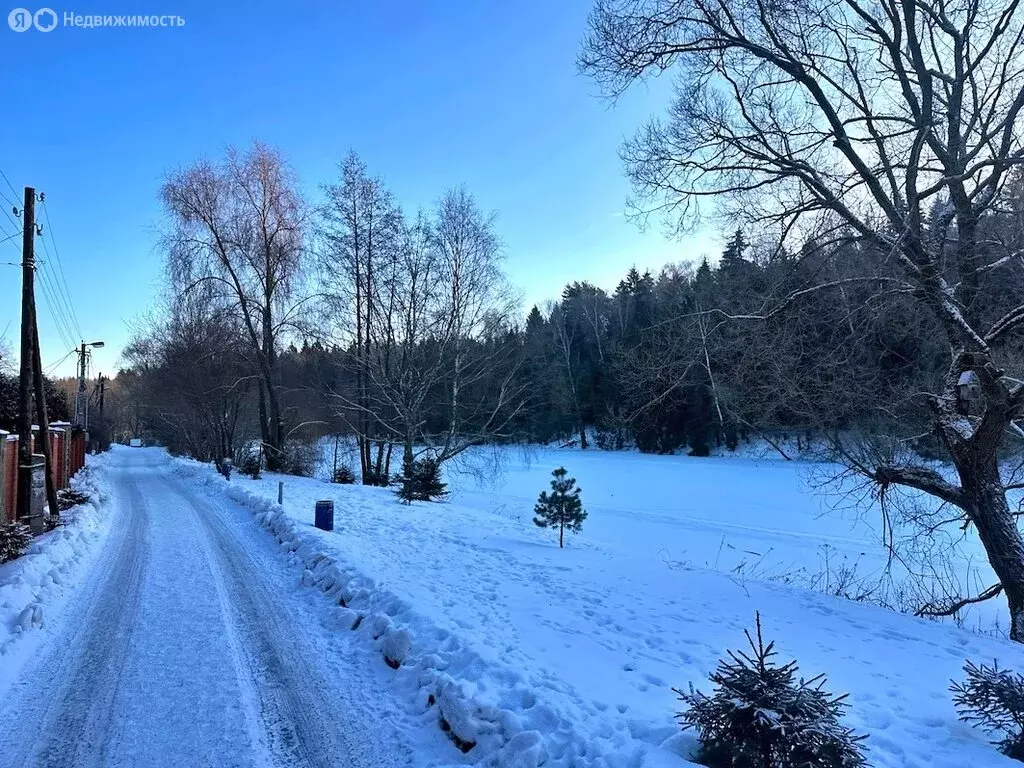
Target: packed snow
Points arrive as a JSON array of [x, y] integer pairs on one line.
[[529, 655], [188, 641]]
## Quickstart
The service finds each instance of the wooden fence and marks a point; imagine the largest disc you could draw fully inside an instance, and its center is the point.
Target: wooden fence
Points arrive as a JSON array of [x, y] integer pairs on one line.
[[67, 451]]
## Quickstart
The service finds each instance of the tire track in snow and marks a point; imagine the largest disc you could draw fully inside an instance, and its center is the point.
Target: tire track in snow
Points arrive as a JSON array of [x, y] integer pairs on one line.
[[67, 700], [303, 727]]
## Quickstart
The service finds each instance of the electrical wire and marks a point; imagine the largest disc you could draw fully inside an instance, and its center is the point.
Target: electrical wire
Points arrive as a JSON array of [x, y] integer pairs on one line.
[[60, 266], [62, 329], [14, 221], [54, 366], [53, 308], [52, 281], [63, 298], [13, 190]]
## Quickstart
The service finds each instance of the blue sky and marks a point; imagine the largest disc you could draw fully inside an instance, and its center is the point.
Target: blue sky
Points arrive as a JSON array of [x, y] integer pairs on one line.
[[430, 94]]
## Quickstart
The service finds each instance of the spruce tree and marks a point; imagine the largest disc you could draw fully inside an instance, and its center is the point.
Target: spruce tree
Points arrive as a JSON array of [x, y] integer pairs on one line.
[[762, 715], [421, 481], [993, 699], [562, 507]]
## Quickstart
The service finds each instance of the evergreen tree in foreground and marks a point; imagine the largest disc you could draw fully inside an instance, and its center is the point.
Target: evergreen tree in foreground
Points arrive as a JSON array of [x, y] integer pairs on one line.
[[562, 507], [993, 699], [762, 716]]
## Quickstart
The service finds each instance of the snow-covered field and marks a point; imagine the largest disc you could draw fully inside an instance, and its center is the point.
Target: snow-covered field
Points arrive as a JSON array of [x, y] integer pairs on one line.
[[567, 657]]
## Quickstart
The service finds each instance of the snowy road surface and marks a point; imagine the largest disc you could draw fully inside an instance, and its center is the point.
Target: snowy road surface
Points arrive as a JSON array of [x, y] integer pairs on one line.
[[188, 645]]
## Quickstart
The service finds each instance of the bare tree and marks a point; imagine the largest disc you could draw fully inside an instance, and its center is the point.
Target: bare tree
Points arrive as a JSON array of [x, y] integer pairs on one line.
[[482, 395], [188, 384], [360, 227], [432, 374], [892, 124], [235, 230]]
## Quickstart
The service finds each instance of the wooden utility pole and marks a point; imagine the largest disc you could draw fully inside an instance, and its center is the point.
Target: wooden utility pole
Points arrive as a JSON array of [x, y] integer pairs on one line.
[[81, 399], [28, 316], [44, 422]]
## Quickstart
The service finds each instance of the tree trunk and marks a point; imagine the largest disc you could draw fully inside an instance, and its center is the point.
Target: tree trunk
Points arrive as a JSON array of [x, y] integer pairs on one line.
[[583, 436], [561, 536], [275, 427], [407, 456], [997, 529], [264, 424], [275, 456]]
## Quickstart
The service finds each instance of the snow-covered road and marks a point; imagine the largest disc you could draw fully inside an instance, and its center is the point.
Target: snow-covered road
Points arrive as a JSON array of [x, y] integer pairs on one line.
[[190, 645]]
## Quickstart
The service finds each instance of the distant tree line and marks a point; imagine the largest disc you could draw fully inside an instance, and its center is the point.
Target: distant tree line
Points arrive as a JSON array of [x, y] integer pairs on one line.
[[695, 358], [401, 331]]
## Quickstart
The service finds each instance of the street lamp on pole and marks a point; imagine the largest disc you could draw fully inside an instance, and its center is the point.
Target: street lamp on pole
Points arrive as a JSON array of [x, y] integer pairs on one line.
[[81, 398]]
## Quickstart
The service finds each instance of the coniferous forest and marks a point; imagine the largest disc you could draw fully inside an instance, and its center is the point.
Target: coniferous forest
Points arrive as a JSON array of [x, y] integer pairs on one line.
[[757, 342]]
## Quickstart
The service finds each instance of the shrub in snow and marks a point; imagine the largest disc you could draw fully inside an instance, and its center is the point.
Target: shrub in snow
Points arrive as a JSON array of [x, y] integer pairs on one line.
[[993, 699], [612, 437], [14, 540], [562, 507], [762, 716], [250, 463], [377, 479], [344, 476], [421, 481], [300, 457], [68, 498]]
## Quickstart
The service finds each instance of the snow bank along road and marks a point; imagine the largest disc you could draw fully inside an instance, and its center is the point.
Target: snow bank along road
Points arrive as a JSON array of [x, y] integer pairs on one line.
[[189, 644]]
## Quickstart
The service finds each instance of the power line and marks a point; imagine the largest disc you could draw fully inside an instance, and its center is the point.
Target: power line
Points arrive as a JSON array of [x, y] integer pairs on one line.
[[14, 221], [62, 296], [51, 368], [63, 330], [13, 202], [46, 278], [60, 266]]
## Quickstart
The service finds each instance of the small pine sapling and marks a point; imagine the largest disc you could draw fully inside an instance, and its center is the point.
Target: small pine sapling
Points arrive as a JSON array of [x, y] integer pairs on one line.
[[762, 716], [562, 507], [344, 475], [993, 699]]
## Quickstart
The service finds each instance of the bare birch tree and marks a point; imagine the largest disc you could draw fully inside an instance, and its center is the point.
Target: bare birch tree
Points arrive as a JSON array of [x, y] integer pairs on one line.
[[361, 226], [235, 231], [893, 123], [419, 302]]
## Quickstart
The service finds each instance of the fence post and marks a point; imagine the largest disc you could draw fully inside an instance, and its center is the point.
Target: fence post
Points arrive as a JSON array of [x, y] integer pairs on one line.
[[5, 502], [63, 461]]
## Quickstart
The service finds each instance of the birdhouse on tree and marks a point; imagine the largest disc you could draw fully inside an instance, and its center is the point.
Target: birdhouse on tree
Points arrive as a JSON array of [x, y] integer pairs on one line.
[[968, 392]]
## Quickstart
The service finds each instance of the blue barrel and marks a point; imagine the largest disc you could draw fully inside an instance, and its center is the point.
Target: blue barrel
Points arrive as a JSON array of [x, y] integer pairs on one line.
[[324, 519]]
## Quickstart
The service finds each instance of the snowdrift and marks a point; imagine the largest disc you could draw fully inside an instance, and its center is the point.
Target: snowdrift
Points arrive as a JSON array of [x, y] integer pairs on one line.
[[39, 583]]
